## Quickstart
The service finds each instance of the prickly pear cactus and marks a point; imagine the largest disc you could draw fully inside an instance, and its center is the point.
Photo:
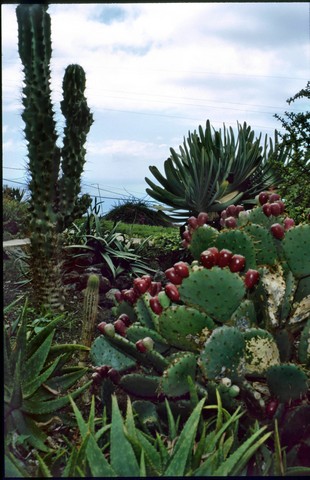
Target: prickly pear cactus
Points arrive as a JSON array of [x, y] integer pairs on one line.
[[236, 319]]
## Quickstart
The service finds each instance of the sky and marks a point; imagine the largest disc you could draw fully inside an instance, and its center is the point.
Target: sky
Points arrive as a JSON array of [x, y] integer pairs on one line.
[[154, 73]]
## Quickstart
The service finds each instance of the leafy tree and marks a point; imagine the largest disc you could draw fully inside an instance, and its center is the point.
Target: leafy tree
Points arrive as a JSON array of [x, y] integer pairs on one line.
[[295, 172]]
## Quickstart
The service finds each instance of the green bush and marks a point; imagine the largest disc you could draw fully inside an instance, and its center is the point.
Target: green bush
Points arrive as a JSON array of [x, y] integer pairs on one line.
[[137, 211]]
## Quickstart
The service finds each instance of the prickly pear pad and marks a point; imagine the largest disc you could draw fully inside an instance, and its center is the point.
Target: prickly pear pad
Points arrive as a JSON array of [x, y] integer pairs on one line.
[[296, 247], [222, 353], [217, 292], [238, 242], [145, 386], [174, 380], [264, 244], [180, 324], [287, 382], [261, 351], [103, 353], [202, 238], [136, 332]]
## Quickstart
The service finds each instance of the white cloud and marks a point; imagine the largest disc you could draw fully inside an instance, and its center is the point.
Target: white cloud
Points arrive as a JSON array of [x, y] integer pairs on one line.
[[170, 66]]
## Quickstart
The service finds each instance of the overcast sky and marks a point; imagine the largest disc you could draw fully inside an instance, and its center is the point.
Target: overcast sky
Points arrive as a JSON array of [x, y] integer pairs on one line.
[[155, 72]]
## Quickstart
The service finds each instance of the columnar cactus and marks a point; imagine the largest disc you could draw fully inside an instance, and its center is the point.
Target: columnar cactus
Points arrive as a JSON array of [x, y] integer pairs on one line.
[[234, 319], [54, 172], [90, 312]]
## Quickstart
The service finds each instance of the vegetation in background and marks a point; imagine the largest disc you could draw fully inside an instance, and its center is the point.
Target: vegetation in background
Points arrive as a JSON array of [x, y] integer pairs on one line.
[[15, 215], [295, 172], [137, 211]]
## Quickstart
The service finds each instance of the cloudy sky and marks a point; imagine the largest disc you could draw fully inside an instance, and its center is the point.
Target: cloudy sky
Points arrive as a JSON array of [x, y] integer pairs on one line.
[[156, 71]]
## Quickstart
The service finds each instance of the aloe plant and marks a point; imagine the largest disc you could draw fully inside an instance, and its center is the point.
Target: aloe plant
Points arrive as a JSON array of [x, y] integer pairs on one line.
[[37, 379], [214, 169]]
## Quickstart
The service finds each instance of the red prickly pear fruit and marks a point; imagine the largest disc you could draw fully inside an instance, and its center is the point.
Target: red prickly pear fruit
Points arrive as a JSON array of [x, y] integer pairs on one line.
[[108, 330], [145, 345], [251, 278], [275, 209], [239, 208], [101, 327], [231, 211], [147, 279], [288, 223], [129, 295], [125, 318], [181, 269], [266, 209], [274, 197], [155, 305], [140, 346], [277, 231], [114, 375], [192, 222], [173, 276], [120, 327], [96, 378], [118, 296], [202, 218], [271, 407], [215, 252], [172, 292], [224, 214], [154, 288], [281, 205], [230, 222], [103, 370], [263, 197], [140, 285], [208, 259], [186, 235], [237, 263], [224, 258]]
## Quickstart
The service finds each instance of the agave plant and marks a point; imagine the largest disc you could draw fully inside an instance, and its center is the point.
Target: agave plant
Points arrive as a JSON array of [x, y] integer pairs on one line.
[[214, 169]]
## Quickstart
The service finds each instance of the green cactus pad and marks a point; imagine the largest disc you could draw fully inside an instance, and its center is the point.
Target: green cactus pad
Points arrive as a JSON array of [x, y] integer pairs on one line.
[[222, 353], [174, 381], [181, 324], [143, 311], [136, 332], [238, 241], [303, 289], [264, 244], [202, 238], [304, 345], [217, 292], [145, 386], [296, 247], [287, 382], [245, 316], [125, 307], [103, 353], [257, 216], [284, 343], [261, 351], [289, 295]]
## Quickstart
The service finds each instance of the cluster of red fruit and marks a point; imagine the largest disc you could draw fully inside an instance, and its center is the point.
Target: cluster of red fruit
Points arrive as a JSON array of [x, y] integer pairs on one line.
[[229, 216], [192, 224], [225, 258], [140, 285], [119, 326], [105, 371], [272, 205]]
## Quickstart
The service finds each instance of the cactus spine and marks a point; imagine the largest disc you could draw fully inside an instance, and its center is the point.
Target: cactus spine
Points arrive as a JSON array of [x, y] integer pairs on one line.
[[90, 310], [54, 172]]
